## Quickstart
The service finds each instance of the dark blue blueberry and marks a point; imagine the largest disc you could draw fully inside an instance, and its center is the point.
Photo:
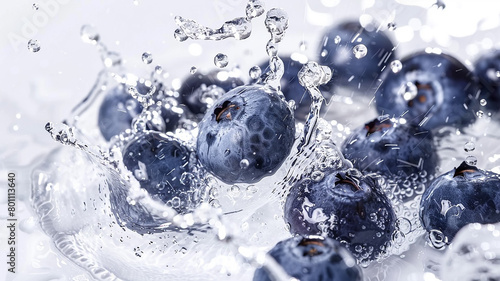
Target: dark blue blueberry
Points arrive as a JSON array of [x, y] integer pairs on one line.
[[313, 259], [487, 69], [393, 150], [118, 109], [337, 51], [432, 90], [345, 206], [246, 135], [160, 164], [291, 87], [195, 86], [461, 196]]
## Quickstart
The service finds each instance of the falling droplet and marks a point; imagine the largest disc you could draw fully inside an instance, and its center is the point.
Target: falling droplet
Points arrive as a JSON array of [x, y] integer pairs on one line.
[[158, 69], [337, 40], [89, 34], [483, 102], [471, 160], [193, 70], [34, 45], [469, 146], [220, 60], [396, 66], [255, 72], [360, 51], [147, 58], [303, 45], [35, 6]]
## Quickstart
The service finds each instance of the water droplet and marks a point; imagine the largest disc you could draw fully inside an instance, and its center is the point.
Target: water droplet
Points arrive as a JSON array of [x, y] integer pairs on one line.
[[409, 91], [220, 60], [337, 40], [391, 26], [179, 35], [89, 34], [35, 6], [254, 8], [276, 24], [303, 45], [437, 239], [255, 72], [34, 45], [147, 58], [252, 189], [483, 102], [396, 66], [471, 160], [193, 70], [479, 114], [244, 164], [360, 51], [158, 69], [469, 146], [234, 191]]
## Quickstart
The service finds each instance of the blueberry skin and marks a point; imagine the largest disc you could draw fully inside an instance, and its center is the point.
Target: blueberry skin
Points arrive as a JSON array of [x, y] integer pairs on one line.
[[437, 87], [118, 109], [190, 91], [291, 87], [486, 68], [461, 196], [346, 207], [313, 259], [249, 123], [157, 162], [391, 149], [347, 70]]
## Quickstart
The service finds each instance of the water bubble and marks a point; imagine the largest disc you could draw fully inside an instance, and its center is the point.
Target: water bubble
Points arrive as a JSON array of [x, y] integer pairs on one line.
[[360, 51], [479, 114], [254, 8], [483, 102], [469, 146], [255, 72], [147, 58], [396, 66], [471, 160], [337, 40], [34, 45], [303, 45], [193, 70], [220, 60], [89, 34], [35, 6]]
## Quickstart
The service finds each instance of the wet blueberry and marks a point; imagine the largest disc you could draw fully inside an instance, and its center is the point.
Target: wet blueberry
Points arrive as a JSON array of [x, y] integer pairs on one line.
[[487, 69], [311, 259], [291, 87], [342, 49], [199, 90], [395, 151], [461, 196], [246, 135], [118, 109], [160, 164], [431, 90], [345, 206]]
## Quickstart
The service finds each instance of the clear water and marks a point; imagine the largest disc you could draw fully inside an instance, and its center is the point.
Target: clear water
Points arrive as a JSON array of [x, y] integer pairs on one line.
[[75, 214]]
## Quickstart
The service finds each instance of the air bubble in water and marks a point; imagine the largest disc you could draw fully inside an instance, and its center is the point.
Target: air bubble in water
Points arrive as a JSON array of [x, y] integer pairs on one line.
[[255, 72], [220, 60], [471, 160], [35, 6], [469, 146], [337, 40], [360, 51], [396, 66], [34, 45], [193, 70], [89, 34], [147, 57]]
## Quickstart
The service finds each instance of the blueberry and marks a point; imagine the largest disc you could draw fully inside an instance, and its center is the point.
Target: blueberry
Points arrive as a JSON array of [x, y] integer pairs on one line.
[[312, 259], [160, 164], [391, 149], [432, 90], [246, 135], [345, 206], [487, 69], [461, 196], [197, 85], [291, 87], [338, 48], [118, 109]]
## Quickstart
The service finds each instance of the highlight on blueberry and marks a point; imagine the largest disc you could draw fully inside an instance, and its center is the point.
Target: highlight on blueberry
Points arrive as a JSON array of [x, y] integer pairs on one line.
[[461, 196], [246, 135], [431, 90], [313, 258], [356, 54], [345, 206]]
